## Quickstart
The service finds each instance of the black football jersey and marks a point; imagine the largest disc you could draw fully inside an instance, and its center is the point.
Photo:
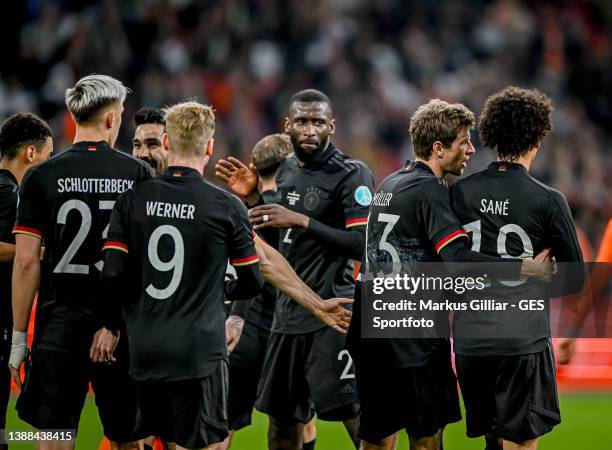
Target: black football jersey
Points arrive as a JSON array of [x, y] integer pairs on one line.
[[335, 191], [410, 221], [510, 214], [9, 192], [261, 310], [178, 232], [67, 201]]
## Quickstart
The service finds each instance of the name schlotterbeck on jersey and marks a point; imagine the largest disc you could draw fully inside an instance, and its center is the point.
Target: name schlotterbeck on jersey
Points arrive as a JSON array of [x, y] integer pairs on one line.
[[431, 299]]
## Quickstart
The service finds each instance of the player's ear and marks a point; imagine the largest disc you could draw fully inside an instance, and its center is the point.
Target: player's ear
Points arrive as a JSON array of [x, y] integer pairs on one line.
[[29, 154], [287, 125], [165, 142], [437, 150], [208, 151], [110, 119], [332, 127]]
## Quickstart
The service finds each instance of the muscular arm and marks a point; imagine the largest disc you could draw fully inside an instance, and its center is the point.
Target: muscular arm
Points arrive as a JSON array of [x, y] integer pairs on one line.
[[275, 268], [349, 243], [7, 252], [26, 278]]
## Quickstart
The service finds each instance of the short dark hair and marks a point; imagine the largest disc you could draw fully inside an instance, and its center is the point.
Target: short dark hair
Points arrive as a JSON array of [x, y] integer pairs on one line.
[[149, 115], [309, 96], [438, 120], [22, 129], [514, 120], [269, 152]]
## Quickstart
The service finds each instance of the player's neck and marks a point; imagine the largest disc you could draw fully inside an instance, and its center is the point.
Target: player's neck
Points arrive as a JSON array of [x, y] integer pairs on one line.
[[193, 163], [18, 170], [524, 160], [434, 165], [90, 134], [267, 184]]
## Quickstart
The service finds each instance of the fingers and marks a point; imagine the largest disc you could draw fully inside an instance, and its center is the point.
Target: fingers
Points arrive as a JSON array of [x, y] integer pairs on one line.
[[339, 329], [345, 301], [231, 345], [15, 376], [237, 163], [259, 211]]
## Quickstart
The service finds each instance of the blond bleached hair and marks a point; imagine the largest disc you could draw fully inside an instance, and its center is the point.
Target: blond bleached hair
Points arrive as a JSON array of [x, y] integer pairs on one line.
[[438, 120], [93, 93], [189, 125]]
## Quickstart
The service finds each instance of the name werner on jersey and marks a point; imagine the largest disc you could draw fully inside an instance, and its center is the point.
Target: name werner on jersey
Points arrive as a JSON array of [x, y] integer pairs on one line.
[[171, 210], [94, 185]]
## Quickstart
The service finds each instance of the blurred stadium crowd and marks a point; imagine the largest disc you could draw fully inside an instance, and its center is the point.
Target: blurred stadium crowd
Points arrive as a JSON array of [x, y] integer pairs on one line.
[[377, 60]]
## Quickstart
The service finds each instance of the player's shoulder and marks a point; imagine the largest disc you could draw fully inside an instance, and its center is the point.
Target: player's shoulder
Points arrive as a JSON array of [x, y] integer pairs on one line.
[[127, 158], [7, 183], [341, 162]]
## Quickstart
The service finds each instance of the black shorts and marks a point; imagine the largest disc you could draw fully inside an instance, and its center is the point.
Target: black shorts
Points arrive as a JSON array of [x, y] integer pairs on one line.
[[511, 397], [306, 373], [420, 400], [55, 387], [5, 374], [245, 364], [190, 413]]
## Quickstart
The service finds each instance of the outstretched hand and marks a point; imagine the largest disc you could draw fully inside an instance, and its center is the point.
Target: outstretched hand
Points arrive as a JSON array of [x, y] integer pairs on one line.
[[239, 177], [334, 315]]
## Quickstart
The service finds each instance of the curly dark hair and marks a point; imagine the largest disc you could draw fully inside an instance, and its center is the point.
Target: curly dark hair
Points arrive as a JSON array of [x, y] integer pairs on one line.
[[149, 115], [514, 120], [22, 129]]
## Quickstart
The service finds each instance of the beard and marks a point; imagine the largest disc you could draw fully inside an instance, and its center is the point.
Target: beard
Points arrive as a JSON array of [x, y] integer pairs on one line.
[[308, 156]]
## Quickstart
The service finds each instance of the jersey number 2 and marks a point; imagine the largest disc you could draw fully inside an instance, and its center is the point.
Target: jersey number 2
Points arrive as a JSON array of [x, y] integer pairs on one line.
[[65, 264]]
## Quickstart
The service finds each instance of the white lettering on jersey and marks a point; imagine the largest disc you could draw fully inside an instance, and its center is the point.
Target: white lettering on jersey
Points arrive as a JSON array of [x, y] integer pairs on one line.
[[94, 185], [382, 198], [497, 207], [171, 210]]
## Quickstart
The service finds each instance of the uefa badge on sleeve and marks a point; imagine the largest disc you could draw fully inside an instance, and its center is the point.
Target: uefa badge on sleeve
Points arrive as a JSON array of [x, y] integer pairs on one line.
[[363, 195]]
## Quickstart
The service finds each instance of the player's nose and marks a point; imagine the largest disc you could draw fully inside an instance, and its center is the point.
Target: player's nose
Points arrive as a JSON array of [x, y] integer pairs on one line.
[[470, 149]]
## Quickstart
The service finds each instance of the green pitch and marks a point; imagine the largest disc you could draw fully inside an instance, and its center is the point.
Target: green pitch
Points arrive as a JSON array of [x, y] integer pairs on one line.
[[587, 425]]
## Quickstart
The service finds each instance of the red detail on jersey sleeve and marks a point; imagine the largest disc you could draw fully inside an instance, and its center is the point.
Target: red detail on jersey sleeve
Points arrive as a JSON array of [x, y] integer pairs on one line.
[[116, 245], [449, 238], [18, 229], [357, 221], [245, 261]]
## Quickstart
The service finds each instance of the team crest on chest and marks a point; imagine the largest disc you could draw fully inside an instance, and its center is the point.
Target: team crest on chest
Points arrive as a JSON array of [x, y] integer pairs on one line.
[[311, 199]]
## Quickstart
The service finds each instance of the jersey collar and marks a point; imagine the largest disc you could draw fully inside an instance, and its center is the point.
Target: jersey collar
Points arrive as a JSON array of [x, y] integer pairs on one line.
[[9, 175], [91, 146], [505, 166], [420, 165], [329, 151], [181, 172]]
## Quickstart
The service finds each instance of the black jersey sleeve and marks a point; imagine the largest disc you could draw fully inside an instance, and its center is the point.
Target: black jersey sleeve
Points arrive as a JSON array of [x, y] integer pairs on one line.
[[116, 280], [450, 239], [565, 247], [242, 255], [8, 205], [31, 212], [355, 195], [437, 217]]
